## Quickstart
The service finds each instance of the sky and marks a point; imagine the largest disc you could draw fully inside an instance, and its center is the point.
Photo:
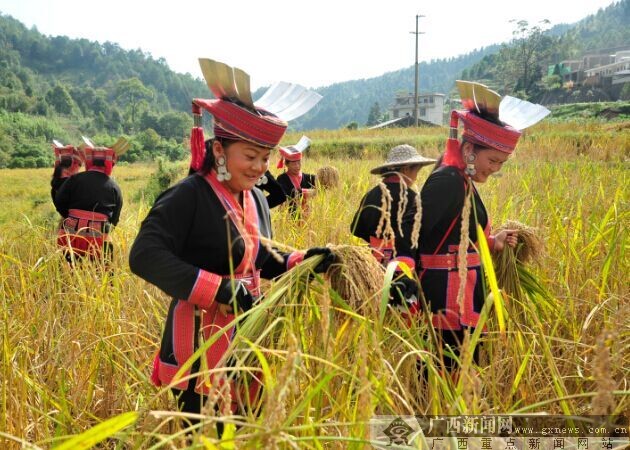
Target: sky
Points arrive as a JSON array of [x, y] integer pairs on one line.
[[313, 43]]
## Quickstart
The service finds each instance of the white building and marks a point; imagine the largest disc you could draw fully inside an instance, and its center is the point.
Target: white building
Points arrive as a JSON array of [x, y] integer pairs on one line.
[[618, 70], [430, 107]]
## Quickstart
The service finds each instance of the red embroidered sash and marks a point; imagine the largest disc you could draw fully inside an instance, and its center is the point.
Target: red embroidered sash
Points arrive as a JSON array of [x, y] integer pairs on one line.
[[296, 181], [84, 232], [382, 250], [244, 218]]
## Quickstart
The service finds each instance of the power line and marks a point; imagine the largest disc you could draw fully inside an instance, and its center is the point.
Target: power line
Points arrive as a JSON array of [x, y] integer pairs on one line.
[[415, 103]]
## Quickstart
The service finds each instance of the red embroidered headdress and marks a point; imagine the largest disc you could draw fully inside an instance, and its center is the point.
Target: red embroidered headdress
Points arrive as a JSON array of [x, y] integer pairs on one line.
[[293, 152], [489, 121], [237, 117], [102, 159], [69, 157]]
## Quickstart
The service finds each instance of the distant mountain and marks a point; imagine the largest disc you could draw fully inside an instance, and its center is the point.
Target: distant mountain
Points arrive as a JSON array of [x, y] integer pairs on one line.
[[42, 60], [521, 67], [76, 86], [57, 87], [351, 100]]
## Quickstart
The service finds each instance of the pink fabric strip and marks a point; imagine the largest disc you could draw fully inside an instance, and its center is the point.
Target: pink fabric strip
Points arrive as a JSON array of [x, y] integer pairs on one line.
[[294, 259], [296, 181], [407, 260], [205, 289]]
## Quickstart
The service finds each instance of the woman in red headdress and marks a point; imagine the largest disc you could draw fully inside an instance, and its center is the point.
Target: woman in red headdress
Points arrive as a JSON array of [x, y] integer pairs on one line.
[[450, 276], [202, 244], [68, 162], [298, 186], [90, 203]]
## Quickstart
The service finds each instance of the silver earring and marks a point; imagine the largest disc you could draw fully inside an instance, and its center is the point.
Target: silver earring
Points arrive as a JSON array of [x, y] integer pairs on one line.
[[470, 164], [262, 180], [222, 172]]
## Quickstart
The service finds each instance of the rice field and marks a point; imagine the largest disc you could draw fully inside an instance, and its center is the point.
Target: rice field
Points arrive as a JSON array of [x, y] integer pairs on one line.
[[76, 346]]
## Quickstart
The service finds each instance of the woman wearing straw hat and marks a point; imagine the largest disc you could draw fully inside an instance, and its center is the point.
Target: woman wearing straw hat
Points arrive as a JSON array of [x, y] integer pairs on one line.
[[448, 262], [203, 242], [90, 203], [378, 221]]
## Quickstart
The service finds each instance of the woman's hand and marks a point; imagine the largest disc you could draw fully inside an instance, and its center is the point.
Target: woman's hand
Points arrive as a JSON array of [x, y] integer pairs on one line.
[[503, 237], [329, 258], [233, 294], [225, 309]]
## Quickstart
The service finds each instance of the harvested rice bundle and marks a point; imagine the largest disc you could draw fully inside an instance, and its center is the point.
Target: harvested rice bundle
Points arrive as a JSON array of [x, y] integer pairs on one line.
[[357, 277], [510, 263], [530, 247], [328, 177]]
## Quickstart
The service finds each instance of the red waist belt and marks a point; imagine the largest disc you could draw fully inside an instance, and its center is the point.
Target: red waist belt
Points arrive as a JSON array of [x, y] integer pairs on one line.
[[382, 250], [251, 282], [448, 261], [84, 231]]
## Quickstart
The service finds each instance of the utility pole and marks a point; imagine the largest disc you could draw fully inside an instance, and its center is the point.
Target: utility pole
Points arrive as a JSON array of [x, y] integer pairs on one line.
[[415, 104]]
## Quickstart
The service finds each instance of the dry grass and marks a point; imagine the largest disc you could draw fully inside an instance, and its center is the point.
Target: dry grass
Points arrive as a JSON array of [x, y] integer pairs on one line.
[[76, 346], [357, 277], [328, 177]]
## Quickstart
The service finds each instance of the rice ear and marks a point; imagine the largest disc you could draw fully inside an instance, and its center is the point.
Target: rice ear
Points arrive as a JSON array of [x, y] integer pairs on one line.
[[510, 261], [417, 222], [328, 177], [357, 277], [384, 229], [402, 205], [462, 252]]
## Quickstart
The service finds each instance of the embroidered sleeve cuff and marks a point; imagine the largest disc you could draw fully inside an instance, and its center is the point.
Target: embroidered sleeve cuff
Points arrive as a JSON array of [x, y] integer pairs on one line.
[[294, 259], [408, 261], [205, 289]]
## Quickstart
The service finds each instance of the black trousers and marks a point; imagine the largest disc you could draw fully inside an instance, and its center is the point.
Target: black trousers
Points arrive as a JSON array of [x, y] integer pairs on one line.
[[454, 339], [189, 401]]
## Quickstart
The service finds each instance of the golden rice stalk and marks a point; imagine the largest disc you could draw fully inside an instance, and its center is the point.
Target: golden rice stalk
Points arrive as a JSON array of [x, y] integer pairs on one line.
[[328, 177], [509, 263], [603, 402], [384, 229], [462, 252], [530, 247], [357, 277]]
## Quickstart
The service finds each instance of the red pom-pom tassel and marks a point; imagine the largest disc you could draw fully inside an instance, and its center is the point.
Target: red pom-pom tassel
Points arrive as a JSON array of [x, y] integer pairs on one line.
[[197, 148], [453, 155], [155, 373]]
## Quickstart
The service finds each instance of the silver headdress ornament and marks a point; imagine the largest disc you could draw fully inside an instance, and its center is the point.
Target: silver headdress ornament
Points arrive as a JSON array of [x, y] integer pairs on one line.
[[302, 145], [120, 147], [286, 100], [87, 142], [517, 113]]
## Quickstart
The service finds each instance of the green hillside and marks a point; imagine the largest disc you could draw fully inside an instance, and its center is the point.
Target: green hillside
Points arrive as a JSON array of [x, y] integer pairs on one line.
[[521, 67], [57, 87]]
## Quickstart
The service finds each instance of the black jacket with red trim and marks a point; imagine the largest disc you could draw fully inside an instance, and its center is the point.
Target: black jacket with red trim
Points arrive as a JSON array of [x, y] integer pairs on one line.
[[308, 182], [90, 191], [443, 197], [367, 217]]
